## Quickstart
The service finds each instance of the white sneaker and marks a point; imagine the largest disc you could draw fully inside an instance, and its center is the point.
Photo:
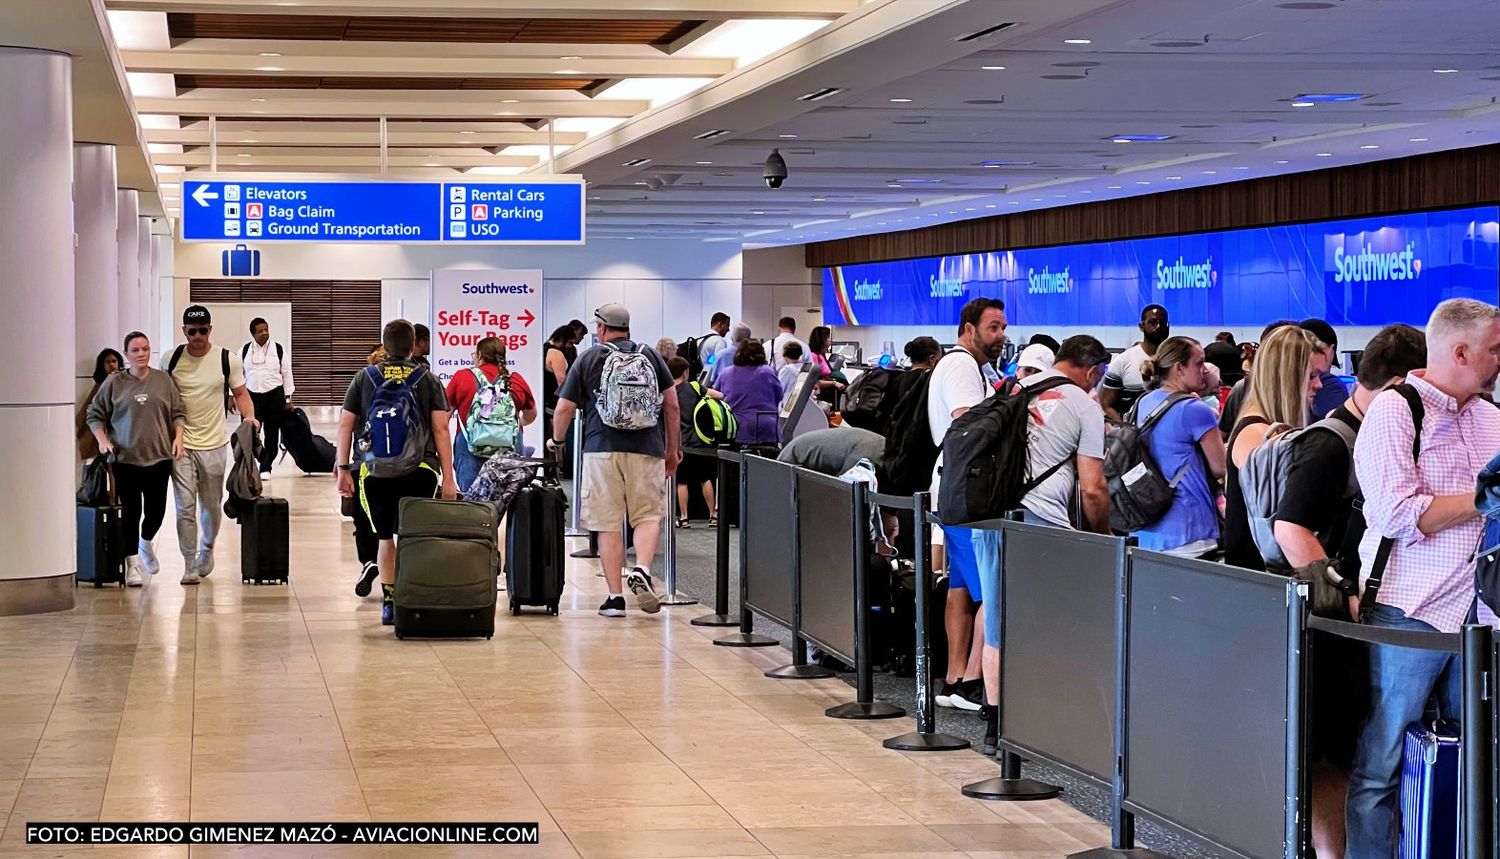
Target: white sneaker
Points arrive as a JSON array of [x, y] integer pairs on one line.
[[133, 572], [148, 557], [205, 563], [265, 475]]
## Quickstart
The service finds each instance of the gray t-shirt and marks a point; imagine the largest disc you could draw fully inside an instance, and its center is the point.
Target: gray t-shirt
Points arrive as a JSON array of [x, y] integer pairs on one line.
[[582, 388], [141, 416], [835, 451], [1064, 423], [429, 393]]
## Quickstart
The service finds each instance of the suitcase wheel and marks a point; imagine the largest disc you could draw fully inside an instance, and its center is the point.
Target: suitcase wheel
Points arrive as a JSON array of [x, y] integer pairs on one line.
[[552, 609]]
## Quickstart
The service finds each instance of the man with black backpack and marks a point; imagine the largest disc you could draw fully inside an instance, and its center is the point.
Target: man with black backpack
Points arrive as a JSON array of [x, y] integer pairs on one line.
[[956, 385], [1418, 454], [631, 442], [268, 375], [404, 448], [698, 351], [207, 377]]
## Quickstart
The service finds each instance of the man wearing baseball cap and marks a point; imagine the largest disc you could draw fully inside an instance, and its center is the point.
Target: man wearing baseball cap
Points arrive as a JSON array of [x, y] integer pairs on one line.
[[1034, 359], [205, 374], [631, 442], [1333, 393]]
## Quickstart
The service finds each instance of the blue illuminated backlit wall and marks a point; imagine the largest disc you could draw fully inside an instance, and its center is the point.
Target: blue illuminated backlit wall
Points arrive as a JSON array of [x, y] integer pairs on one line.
[[1366, 271]]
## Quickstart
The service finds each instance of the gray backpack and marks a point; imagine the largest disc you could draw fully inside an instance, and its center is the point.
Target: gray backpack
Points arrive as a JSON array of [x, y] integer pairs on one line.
[[628, 397], [1263, 479]]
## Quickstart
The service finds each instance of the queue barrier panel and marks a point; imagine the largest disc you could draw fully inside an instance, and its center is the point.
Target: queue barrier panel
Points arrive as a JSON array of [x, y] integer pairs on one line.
[[1059, 656], [769, 550], [1213, 685], [826, 555]]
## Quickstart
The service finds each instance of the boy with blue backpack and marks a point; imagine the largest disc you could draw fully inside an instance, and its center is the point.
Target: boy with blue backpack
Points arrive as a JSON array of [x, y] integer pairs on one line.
[[402, 450]]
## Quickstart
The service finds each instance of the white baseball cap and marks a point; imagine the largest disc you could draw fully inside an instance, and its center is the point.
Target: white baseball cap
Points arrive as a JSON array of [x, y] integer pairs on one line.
[[1037, 357]]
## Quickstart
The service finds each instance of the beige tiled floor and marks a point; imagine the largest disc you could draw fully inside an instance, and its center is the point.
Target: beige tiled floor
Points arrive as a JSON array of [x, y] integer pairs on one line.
[[623, 738]]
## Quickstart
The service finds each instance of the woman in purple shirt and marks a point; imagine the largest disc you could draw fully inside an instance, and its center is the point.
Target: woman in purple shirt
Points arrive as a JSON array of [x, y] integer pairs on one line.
[[753, 393]]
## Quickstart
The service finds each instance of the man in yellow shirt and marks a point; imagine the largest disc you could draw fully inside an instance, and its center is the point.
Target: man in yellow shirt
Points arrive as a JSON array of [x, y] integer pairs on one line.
[[204, 374]]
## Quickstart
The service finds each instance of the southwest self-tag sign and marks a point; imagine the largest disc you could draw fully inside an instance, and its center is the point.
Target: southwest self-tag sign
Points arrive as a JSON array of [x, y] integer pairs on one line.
[[533, 211]]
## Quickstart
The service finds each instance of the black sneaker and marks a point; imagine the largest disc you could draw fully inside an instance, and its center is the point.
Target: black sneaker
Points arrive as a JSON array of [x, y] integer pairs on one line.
[[367, 578], [613, 607], [639, 582], [991, 734], [967, 695]]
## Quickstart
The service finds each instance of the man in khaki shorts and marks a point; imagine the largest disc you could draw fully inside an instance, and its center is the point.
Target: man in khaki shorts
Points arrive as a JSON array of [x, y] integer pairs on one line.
[[630, 445]]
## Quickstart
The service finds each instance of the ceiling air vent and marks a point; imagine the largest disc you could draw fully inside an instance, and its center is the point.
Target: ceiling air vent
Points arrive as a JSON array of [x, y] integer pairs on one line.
[[988, 31], [820, 94], [710, 135], [637, 162]]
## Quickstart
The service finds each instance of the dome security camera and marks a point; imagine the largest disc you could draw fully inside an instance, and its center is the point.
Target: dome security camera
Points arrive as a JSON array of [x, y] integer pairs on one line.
[[775, 170]]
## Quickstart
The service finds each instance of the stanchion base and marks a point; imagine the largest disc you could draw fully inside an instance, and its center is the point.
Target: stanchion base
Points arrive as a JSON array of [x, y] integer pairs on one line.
[[676, 599], [746, 639], [799, 672], [916, 741], [715, 620], [856, 710], [1115, 853], [584, 553], [1011, 790], [575, 533]]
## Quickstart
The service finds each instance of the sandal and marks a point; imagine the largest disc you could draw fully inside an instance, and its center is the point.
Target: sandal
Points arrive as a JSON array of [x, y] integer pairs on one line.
[[682, 522], [713, 521]]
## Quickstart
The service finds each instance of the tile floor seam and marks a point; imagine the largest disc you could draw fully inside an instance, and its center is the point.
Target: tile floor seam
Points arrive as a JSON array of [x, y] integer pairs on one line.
[[332, 704]]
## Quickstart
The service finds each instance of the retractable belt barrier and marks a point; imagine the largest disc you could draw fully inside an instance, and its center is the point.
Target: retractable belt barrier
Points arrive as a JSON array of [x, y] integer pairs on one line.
[[726, 465]]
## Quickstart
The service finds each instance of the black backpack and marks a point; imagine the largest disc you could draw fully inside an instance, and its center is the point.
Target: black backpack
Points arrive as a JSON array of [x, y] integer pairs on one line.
[[985, 461], [864, 398], [691, 351], [909, 451], [1138, 493]]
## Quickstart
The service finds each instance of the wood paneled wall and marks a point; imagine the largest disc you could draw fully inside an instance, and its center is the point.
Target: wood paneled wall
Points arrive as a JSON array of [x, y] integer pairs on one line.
[[335, 324], [1460, 177]]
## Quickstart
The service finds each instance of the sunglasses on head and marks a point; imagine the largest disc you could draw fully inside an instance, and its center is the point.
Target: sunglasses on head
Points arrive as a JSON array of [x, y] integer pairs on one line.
[[192, 332]]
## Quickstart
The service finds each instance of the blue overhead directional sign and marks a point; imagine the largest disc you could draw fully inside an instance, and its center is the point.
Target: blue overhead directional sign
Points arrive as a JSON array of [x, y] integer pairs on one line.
[[481, 212]]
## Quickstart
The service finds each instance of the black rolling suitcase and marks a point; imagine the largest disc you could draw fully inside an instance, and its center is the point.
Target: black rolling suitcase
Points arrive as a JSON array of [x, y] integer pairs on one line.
[[265, 541], [446, 558], [311, 452], [534, 550], [101, 546]]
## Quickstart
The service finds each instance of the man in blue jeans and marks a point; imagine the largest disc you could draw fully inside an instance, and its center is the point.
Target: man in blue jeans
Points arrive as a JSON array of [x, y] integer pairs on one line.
[[1426, 509]]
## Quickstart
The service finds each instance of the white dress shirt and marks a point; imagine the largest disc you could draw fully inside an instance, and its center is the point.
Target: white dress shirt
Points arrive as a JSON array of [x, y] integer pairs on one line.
[[263, 373]]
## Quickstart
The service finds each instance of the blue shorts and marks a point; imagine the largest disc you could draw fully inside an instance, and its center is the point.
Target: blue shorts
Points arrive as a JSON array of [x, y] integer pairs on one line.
[[963, 572], [986, 547]]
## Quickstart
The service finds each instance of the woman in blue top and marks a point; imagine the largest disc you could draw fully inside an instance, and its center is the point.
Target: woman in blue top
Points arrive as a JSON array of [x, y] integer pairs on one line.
[[1187, 447]]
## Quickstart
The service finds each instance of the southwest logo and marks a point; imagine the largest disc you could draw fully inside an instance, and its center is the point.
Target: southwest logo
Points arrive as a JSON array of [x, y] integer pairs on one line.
[[1369, 266], [1181, 275], [1047, 283], [867, 291], [943, 287]]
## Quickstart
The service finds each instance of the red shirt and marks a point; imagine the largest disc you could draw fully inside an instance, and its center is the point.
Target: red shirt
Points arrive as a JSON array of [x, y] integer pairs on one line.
[[462, 388]]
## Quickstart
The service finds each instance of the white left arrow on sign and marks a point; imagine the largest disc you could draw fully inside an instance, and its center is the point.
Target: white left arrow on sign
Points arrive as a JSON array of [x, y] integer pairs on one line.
[[203, 195]]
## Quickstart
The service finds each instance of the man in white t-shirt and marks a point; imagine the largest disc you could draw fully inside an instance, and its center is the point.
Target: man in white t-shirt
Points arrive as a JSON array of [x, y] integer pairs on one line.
[[1123, 384], [958, 383], [205, 374], [786, 332]]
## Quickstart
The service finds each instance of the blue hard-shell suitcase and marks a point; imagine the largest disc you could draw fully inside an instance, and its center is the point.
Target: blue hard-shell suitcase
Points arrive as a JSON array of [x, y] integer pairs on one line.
[[241, 261], [1430, 778]]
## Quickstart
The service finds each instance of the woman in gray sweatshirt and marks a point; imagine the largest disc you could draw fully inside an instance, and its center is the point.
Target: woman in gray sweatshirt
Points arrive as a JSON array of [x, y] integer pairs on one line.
[[138, 416]]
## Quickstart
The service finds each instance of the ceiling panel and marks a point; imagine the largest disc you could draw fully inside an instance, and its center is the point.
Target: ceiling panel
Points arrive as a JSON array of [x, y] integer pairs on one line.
[[188, 82], [586, 31]]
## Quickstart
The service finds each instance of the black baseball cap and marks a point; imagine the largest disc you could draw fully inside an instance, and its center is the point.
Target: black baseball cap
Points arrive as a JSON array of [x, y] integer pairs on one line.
[[1325, 334], [196, 315]]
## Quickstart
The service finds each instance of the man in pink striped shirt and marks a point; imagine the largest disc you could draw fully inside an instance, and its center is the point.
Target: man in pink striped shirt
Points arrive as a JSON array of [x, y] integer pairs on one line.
[[1427, 510]]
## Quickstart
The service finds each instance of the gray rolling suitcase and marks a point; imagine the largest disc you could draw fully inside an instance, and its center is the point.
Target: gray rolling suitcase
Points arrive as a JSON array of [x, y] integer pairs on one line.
[[446, 563]]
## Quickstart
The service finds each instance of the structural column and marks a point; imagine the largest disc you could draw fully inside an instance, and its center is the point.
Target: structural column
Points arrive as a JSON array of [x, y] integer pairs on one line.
[[96, 258], [163, 324], [127, 237], [37, 522], [145, 248]]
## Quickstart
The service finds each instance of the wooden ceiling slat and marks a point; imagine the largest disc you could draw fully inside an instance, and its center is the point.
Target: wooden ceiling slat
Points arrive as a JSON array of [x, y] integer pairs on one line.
[[590, 31], [186, 83]]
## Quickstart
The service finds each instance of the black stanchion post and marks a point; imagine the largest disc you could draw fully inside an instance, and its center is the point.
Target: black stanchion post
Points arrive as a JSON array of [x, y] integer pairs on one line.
[[926, 737], [746, 637], [798, 669], [1008, 786], [1478, 737], [721, 616], [591, 550], [864, 706]]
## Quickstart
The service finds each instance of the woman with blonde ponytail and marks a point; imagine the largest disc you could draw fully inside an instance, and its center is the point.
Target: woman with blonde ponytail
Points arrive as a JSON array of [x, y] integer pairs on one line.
[[1187, 448]]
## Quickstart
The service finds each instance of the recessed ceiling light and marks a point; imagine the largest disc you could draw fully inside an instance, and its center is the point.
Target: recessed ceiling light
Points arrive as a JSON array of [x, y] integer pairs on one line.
[[969, 209], [243, 154], [893, 184], [269, 54], [900, 101], [989, 205], [570, 58], [1283, 161], [786, 136], [1445, 71], [1302, 104], [1015, 202], [820, 199], [757, 213], [466, 132], [1417, 139], [1174, 178], [509, 100], [1115, 187], [1370, 146], [1210, 172], [269, 68], [704, 163], [1325, 154], [1078, 41], [992, 68], [1142, 182], [1242, 168]]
